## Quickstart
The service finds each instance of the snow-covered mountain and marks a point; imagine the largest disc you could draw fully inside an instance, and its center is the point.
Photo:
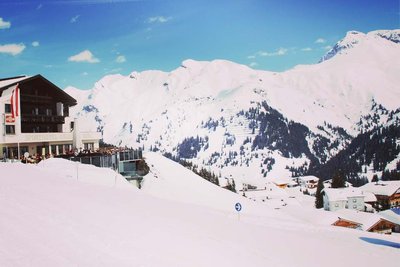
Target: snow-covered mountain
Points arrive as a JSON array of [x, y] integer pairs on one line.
[[354, 38], [250, 123]]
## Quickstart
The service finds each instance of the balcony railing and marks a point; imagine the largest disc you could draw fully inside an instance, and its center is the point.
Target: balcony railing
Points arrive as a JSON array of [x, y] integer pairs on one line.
[[36, 99], [49, 137], [31, 118]]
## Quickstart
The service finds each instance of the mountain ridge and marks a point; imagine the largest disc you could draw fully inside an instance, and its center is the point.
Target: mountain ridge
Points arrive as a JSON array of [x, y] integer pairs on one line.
[[213, 100]]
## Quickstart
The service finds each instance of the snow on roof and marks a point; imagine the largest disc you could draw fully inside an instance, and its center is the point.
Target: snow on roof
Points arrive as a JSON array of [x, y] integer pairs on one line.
[[329, 182], [282, 180], [369, 197], [9, 81], [366, 219], [308, 178], [385, 188], [337, 194], [391, 216]]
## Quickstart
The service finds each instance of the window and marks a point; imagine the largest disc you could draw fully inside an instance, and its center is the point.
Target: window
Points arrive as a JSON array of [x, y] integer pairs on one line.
[[88, 146], [71, 125], [336, 205], [66, 111], [10, 129], [354, 200], [354, 206], [7, 108], [53, 149]]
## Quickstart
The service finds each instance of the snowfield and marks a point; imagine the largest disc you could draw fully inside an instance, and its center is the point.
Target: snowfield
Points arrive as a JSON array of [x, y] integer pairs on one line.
[[60, 213]]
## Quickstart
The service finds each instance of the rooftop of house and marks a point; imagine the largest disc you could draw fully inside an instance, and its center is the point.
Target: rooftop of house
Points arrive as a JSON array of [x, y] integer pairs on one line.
[[308, 178], [369, 197], [390, 215], [367, 220], [328, 183], [338, 194], [40, 82], [384, 188], [12, 80]]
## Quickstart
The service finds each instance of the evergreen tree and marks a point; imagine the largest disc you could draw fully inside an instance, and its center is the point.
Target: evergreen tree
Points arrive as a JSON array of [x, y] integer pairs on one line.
[[319, 200], [233, 186], [375, 179], [338, 180]]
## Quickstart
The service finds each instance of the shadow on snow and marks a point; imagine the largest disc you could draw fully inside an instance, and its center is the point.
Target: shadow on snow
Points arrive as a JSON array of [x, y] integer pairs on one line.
[[381, 242]]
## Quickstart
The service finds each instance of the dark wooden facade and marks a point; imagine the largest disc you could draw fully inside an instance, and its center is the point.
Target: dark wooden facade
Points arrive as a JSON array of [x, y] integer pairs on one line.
[[39, 111], [382, 226]]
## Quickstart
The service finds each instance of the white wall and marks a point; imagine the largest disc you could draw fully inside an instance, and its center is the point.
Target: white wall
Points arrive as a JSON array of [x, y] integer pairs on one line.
[[356, 203]]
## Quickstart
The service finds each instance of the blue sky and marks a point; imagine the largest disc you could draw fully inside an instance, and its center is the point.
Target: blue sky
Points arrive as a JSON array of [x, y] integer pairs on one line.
[[77, 42]]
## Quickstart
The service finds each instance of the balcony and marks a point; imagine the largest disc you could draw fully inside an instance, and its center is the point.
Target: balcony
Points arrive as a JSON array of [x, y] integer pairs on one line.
[[36, 99], [30, 118], [49, 137]]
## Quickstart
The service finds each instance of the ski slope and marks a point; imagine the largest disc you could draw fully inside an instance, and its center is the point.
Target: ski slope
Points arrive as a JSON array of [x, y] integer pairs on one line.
[[61, 213]]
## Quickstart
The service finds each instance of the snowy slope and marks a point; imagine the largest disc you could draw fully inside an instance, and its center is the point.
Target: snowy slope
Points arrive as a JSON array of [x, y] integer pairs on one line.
[[213, 100], [52, 219]]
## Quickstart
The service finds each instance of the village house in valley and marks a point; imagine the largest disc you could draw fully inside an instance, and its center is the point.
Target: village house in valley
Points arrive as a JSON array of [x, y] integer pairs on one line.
[[345, 198], [36, 119], [386, 192], [368, 222], [309, 182]]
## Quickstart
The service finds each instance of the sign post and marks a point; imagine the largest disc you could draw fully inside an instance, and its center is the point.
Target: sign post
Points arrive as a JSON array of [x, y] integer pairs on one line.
[[238, 208]]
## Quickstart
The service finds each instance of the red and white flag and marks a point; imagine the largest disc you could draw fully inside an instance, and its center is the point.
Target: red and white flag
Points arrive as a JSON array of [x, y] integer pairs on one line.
[[15, 102]]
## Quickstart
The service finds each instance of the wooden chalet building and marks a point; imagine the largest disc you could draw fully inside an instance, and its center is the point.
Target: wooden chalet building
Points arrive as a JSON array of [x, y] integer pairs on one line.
[[368, 222], [35, 119], [387, 193]]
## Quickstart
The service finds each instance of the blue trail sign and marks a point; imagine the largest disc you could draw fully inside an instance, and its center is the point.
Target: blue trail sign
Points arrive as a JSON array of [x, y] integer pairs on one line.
[[238, 207]]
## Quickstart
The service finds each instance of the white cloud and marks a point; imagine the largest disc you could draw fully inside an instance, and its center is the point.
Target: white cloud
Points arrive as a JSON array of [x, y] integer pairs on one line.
[[306, 49], [159, 19], [74, 19], [320, 41], [4, 24], [120, 59], [13, 49], [251, 57], [253, 64], [84, 56], [39, 6], [85, 73], [328, 47], [280, 52], [35, 44]]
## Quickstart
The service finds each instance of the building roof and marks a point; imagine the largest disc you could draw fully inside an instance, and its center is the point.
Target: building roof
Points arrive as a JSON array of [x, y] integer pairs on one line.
[[338, 194], [369, 197], [384, 188], [367, 220], [308, 178], [329, 182], [390, 215], [11, 81], [282, 181], [40, 80]]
